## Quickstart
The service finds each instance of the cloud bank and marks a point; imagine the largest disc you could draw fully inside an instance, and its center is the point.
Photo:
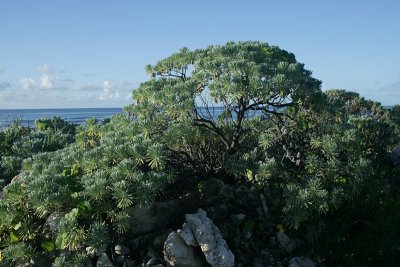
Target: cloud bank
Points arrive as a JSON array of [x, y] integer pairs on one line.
[[50, 89]]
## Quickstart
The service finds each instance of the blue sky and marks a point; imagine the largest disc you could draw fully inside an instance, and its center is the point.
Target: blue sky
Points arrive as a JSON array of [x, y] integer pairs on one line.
[[69, 53]]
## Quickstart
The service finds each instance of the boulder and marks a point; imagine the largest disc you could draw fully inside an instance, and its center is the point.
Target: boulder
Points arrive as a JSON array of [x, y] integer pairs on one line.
[[285, 242], [53, 221], [104, 261], [152, 216], [301, 262], [186, 234], [121, 250], [210, 240], [178, 253]]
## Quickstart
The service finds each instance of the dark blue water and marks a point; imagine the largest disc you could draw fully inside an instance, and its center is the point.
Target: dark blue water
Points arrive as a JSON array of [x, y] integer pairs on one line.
[[27, 117]]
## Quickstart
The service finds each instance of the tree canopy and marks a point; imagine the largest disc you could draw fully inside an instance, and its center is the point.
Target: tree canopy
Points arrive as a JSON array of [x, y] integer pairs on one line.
[[219, 87]]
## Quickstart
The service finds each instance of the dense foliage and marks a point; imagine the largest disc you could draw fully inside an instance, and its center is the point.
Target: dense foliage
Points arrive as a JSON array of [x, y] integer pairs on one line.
[[246, 113], [19, 142]]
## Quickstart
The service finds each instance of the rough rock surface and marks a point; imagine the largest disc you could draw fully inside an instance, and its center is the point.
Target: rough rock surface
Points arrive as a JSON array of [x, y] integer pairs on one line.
[[301, 262], [104, 261], [187, 235], [156, 215], [286, 242], [53, 221], [178, 253], [210, 240]]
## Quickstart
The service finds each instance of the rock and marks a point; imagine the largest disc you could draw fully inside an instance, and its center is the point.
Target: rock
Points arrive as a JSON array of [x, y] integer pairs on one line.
[[121, 250], [210, 240], [218, 212], [154, 262], [152, 216], [186, 234], [158, 241], [53, 221], [301, 262], [130, 263], [152, 253], [120, 259], [238, 218], [286, 242], [104, 261], [178, 253], [90, 252], [213, 187]]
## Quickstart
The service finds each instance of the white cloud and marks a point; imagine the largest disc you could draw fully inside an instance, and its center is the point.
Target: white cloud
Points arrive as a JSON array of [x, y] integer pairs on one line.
[[109, 91], [47, 79], [27, 83], [2, 70], [87, 87]]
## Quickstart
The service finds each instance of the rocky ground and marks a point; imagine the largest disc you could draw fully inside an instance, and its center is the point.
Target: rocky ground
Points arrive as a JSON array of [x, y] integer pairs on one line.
[[223, 226]]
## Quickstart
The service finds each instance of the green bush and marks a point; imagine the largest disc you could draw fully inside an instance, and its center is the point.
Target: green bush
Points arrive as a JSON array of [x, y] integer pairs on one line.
[[321, 159]]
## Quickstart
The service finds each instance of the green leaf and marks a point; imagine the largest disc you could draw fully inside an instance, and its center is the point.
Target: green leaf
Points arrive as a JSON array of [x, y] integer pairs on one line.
[[85, 208], [48, 246], [14, 237], [17, 226]]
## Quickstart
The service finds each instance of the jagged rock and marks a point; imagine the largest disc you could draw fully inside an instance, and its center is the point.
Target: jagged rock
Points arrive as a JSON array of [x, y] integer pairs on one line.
[[53, 221], [90, 252], [121, 250], [152, 216], [158, 241], [218, 212], [301, 262], [154, 262], [186, 234], [213, 187], [178, 253], [286, 242], [130, 263], [120, 259], [210, 240], [104, 261]]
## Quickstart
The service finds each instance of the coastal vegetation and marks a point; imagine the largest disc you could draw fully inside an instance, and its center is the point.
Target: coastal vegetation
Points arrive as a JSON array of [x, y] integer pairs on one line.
[[325, 165]]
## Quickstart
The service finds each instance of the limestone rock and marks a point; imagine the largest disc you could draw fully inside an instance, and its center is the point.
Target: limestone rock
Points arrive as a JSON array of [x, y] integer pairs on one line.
[[121, 250], [53, 221], [186, 234], [152, 216], [104, 261], [90, 252], [286, 242], [210, 240], [301, 262], [178, 253]]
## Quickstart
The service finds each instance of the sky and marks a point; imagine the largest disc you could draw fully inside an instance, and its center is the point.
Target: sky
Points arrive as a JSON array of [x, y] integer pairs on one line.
[[74, 53]]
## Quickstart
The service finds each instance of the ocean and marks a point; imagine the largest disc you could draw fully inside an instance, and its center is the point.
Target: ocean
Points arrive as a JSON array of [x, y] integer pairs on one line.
[[27, 117]]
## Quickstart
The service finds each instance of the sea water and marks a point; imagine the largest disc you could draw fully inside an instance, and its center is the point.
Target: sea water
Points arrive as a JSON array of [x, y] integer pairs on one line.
[[27, 117]]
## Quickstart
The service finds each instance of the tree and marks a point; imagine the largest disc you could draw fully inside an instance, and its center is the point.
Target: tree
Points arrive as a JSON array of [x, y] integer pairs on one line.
[[220, 88], [347, 104]]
